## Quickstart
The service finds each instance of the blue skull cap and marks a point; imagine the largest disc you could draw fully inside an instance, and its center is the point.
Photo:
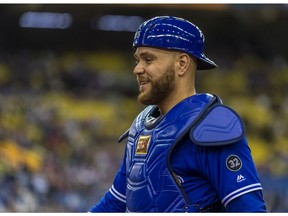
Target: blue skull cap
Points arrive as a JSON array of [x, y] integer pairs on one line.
[[174, 33]]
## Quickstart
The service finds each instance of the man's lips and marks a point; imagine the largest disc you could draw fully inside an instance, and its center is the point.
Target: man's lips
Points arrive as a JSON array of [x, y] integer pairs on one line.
[[142, 85]]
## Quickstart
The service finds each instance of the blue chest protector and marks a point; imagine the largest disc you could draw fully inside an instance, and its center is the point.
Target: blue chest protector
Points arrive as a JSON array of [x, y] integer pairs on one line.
[[152, 185]]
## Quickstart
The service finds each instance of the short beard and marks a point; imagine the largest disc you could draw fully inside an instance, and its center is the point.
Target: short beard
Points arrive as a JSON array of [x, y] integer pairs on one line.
[[161, 88]]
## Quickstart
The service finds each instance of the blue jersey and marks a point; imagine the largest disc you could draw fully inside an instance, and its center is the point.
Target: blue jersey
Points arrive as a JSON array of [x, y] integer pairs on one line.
[[199, 177]]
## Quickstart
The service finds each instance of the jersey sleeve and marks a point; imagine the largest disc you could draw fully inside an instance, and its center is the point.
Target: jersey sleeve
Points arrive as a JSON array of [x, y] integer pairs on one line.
[[252, 201], [115, 199], [232, 172]]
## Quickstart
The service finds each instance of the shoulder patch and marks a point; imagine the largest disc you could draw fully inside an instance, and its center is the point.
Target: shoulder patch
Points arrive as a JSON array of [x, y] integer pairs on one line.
[[220, 126], [233, 163]]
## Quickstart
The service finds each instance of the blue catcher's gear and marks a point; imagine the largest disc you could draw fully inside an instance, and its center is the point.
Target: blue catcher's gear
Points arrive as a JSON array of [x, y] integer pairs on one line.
[[193, 159], [174, 33], [149, 172]]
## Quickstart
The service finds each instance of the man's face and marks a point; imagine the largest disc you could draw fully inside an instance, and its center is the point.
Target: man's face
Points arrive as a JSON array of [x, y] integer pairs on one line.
[[155, 74]]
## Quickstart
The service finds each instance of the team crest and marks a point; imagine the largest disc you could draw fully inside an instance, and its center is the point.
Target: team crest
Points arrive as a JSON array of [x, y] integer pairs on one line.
[[142, 145]]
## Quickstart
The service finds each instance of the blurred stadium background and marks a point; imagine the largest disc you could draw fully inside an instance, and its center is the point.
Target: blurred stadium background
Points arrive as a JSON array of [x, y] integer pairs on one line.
[[67, 92]]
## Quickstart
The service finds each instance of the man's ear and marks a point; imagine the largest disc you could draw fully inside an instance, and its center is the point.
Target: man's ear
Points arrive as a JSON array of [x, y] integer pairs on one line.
[[184, 63]]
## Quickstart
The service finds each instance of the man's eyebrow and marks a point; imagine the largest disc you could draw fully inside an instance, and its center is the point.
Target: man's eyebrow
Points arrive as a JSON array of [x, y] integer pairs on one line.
[[143, 54]]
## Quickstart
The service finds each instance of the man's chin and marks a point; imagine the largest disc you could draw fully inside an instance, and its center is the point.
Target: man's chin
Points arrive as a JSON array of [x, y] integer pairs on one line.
[[143, 99]]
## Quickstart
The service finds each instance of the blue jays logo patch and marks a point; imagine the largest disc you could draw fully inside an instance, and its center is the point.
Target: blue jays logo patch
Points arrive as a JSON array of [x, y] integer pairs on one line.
[[233, 163], [143, 144]]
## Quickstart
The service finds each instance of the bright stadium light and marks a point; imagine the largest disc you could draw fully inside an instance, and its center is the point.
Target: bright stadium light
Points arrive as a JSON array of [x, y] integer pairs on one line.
[[48, 20], [117, 23]]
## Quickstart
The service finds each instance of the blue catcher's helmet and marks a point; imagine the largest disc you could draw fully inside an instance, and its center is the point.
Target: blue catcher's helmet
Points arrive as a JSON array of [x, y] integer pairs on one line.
[[175, 33]]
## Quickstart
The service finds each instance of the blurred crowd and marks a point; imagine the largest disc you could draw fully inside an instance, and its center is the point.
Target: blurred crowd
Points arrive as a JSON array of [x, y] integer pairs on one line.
[[62, 113]]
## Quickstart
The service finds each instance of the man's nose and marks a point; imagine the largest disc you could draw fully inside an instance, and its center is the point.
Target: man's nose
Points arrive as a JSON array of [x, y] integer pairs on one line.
[[138, 69]]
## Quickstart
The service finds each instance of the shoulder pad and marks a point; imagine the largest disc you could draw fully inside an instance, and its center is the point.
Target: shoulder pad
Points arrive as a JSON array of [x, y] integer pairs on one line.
[[219, 126]]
